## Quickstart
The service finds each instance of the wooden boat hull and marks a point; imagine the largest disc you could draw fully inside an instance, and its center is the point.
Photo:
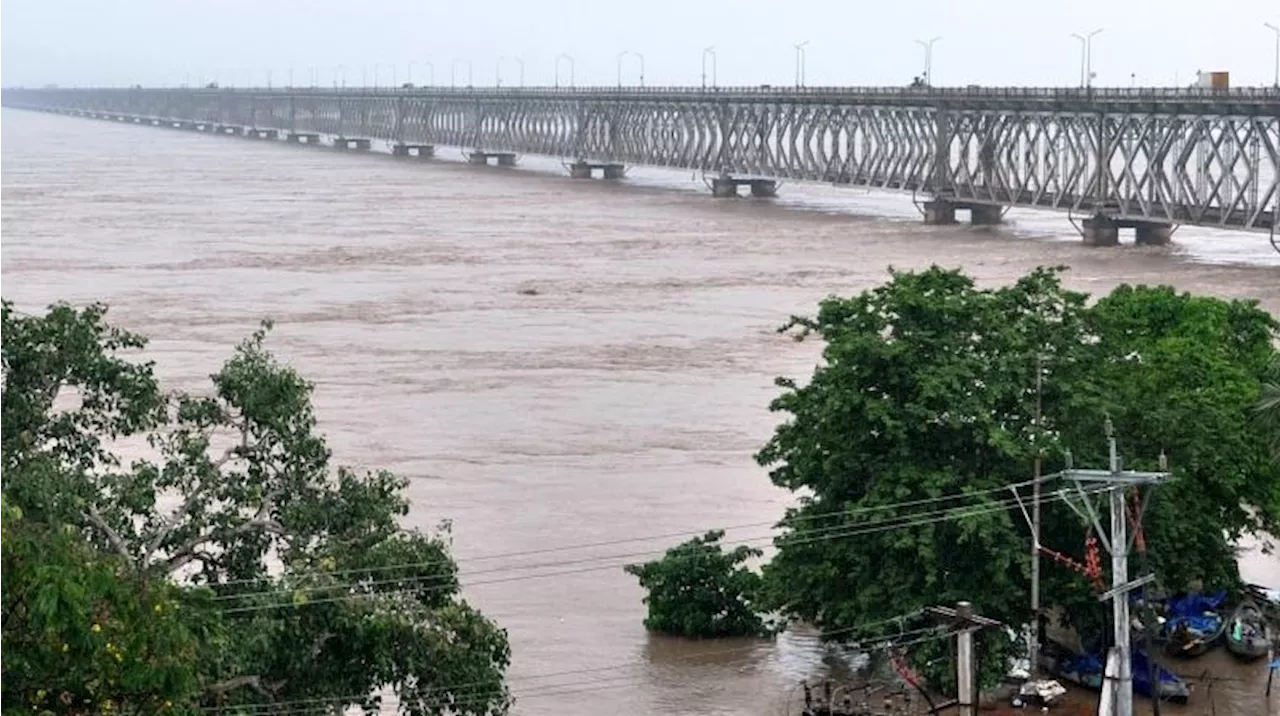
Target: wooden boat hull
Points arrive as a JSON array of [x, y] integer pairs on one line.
[[1248, 636]]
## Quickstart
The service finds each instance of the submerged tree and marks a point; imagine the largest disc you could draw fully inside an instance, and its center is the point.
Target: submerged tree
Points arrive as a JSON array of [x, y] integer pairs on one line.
[[699, 590], [222, 486], [903, 443]]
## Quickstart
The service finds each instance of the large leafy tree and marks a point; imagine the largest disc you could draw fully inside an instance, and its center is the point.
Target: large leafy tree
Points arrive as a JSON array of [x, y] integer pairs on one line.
[[926, 395], [83, 635], [223, 485]]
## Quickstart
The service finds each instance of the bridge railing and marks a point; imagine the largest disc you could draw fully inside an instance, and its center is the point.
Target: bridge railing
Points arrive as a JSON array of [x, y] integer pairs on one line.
[[913, 93]]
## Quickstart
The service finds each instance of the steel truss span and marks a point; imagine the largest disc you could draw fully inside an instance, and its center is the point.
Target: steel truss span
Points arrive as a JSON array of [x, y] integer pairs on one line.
[[1205, 157]]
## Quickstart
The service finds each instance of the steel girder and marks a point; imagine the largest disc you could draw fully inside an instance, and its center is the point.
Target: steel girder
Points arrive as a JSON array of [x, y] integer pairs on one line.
[[1189, 157]]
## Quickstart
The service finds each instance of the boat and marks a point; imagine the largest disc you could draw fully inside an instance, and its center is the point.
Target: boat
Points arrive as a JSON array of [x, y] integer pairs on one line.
[[1193, 625], [1087, 670], [1248, 636]]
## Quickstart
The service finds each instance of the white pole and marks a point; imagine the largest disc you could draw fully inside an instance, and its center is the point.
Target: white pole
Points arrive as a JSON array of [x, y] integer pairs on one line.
[[1120, 601]]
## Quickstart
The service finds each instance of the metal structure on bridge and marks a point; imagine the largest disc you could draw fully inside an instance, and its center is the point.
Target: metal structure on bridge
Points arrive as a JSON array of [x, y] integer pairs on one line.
[[1142, 158]]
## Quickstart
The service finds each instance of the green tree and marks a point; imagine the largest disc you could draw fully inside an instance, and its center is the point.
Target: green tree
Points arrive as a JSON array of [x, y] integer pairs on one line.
[[699, 590], [82, 635], [222, 486], [926, 395]]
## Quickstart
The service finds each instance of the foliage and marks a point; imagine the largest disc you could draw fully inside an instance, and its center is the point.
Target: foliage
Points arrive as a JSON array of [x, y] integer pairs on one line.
[[926, 396], [1269, 406], [228, 483], [699, 590], [81, 634]]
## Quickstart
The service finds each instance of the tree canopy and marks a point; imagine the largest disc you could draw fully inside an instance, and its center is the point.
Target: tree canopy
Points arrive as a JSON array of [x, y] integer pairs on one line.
[[699, 590], [922, 410], [293, 581]]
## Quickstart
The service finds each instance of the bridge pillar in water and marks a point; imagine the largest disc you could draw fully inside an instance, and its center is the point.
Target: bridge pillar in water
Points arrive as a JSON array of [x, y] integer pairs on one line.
[[1100, 230], [1152, 234], [354, 143], [421, 151], [985, 215], [764, 188], [939, 211], [264, 133], [724, 188], [582, 169], [504, 159], [304, 137]]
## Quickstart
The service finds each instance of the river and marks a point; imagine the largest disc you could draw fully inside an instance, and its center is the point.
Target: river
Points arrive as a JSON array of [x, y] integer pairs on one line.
[[553, 363]]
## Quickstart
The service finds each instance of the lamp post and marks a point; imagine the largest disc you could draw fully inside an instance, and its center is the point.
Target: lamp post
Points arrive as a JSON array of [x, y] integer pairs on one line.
[[800, 62], [1086, 57], [569, 59], [708, 51], [498, 70], [639, 57], [453, 72], [928, 59], [409, 77], [1276, 30]]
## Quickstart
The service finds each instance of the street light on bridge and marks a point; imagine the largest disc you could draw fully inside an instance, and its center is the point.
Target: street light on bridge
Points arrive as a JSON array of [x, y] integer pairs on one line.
[[800, 62], [928, 59], [639, 57], [563, 56], [1086, 57], [708, 51], [1276, 30], [453, 73], [498, 70]]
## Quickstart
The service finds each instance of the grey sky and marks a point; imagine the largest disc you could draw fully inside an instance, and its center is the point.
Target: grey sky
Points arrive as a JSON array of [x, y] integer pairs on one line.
[[991, 42]]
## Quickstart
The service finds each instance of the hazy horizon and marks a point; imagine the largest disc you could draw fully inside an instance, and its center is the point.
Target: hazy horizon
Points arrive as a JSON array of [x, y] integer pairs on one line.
[[987, 42]]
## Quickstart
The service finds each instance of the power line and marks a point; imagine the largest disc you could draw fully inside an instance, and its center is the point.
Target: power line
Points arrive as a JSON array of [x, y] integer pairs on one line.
[[646, 538], [832, 532], [477, 688], [846, 531]]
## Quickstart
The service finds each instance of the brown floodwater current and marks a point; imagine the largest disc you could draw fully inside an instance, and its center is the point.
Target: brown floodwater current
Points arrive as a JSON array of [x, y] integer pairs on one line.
[[554, 364]]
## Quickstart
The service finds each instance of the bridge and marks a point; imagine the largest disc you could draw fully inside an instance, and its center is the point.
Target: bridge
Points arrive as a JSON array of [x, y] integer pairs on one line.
[[1146, 159]]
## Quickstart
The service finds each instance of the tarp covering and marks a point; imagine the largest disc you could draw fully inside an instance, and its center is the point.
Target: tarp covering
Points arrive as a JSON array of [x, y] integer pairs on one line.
[[1196, 612]]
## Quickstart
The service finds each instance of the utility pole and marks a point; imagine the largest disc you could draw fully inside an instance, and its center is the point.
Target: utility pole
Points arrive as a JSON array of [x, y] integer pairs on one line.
[[964, 624], [1115, 483], [1033, 644]]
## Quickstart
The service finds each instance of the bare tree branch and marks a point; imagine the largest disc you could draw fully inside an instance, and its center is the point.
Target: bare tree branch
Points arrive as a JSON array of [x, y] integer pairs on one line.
[[96, 519]]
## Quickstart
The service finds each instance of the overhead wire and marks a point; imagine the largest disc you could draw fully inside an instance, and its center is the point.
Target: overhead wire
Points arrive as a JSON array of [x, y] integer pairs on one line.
[[645, 538], [843, 531], [471, 694]]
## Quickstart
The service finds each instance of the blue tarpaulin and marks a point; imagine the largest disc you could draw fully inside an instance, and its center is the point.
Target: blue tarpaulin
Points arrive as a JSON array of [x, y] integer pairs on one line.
[[1197, 612]]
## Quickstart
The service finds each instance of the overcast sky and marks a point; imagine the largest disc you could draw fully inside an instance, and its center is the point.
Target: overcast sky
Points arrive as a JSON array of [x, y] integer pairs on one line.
[[989, 42]]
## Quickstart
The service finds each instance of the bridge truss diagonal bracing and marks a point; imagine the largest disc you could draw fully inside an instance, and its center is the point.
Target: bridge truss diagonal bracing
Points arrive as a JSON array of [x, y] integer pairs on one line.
[[1205, 157]]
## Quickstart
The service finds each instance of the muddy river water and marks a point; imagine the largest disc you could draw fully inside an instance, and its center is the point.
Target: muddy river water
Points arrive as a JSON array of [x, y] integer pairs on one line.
[[554, 364]]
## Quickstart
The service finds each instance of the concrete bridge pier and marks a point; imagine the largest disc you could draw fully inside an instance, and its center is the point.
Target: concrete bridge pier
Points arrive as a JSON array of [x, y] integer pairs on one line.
[[504, 159], [263, 134], [421, 151], [304, 137], [354, 143], [943, 211], [228, 130], [582, 169], [725, 187], [1103, 230]]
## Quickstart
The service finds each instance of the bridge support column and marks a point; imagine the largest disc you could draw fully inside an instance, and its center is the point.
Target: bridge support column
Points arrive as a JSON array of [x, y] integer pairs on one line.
[[1152, 234], [354, 143], [304, 137], [724, 188], [504, 159], [264, 133], [1100, 230], [985, 215], [421, 151], [764, 188], [583, 169], [939, 211]]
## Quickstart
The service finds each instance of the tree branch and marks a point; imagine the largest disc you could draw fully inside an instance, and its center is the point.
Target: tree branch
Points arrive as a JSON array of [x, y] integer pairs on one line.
[[117, 542], [261, 521]]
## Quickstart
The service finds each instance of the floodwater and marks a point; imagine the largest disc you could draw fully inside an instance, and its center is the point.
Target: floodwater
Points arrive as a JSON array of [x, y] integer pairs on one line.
[[557, 365]]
